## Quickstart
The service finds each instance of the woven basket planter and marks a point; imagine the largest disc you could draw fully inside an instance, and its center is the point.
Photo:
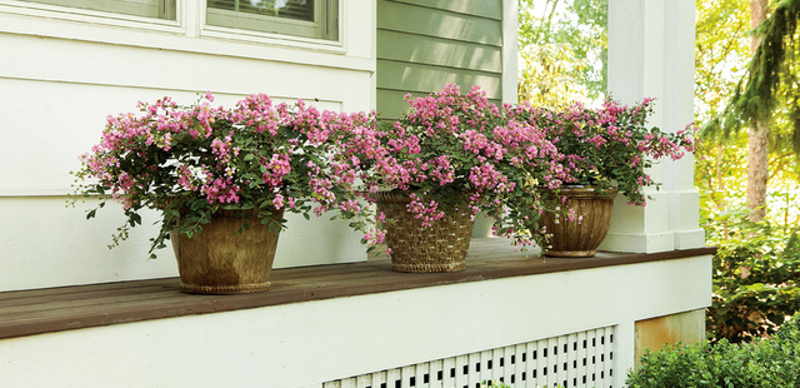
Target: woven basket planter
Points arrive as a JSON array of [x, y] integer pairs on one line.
[[221, 261], [579, 238], [442, 247]]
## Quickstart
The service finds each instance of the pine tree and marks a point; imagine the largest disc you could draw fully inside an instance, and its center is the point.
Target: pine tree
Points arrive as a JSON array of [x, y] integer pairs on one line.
[[770, 87]]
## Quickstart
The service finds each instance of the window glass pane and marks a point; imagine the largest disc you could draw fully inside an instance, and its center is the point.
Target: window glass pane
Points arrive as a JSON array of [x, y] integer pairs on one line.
[[306, 18], [291, 9], [161, 9]]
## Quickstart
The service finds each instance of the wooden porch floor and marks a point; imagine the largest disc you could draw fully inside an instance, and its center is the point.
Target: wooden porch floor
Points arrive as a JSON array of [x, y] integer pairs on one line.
[[40, 311]]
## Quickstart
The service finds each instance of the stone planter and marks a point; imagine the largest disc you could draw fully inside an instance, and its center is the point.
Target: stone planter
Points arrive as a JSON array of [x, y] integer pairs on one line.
[[442, 247], [582, 236], [221, 261]]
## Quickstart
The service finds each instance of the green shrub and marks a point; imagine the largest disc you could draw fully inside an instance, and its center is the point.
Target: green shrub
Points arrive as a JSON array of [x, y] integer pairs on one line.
[[773, 362], [755, 273]]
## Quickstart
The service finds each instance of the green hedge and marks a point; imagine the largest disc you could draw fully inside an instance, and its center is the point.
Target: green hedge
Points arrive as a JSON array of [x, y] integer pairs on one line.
[[773, 362]]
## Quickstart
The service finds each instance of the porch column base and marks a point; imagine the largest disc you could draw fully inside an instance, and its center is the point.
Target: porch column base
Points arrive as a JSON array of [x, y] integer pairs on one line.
[[687, 239], [638, 242]]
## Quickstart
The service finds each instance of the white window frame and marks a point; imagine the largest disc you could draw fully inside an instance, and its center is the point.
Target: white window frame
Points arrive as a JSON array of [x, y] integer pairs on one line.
[[62, 12], [164, 12], [188, 32]]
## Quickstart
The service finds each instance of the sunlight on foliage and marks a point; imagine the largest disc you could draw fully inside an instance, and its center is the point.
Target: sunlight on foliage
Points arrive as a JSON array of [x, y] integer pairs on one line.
[[773, 362], [563, 57], [563, 51], [755, 274], [757, 263]]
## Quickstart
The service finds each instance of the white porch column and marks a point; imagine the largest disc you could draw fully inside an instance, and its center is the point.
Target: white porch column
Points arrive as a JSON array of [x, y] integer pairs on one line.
[[651, 54]]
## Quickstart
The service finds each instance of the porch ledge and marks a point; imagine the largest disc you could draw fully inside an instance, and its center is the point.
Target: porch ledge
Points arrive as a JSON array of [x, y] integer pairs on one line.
[[30, 312]]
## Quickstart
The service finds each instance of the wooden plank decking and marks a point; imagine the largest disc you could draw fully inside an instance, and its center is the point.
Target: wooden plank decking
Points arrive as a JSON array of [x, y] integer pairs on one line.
[[40, 311]]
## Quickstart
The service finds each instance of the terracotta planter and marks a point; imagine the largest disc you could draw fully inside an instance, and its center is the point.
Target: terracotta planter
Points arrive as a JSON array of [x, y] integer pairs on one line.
[[442, 247], [221, 261], [579, 238]]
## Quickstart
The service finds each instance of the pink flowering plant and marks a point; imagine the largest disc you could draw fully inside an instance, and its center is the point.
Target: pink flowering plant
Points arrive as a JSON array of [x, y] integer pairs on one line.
[[190, 162], [453, 152], [607, 147]]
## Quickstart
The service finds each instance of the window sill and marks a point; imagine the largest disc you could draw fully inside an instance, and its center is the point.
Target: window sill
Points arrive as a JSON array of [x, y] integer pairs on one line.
[[41, 311], [183, 36]]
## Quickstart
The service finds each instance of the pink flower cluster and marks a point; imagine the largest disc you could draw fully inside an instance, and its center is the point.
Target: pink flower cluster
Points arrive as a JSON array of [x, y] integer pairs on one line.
[[450, 143], [608, 146], [258, 155], [449, 151], [275, 169], [427, 212], [221, 190]]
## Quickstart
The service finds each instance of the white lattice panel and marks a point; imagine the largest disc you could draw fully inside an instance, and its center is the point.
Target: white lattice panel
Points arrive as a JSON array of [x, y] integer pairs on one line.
[[581, 360]]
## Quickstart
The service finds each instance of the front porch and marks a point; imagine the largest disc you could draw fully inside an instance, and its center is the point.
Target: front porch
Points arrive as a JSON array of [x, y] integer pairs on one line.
[[74, 314], [361, 325]]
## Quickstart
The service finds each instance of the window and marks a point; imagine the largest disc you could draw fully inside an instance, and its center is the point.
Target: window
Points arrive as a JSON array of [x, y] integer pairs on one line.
[[161, 9], [317, 19]]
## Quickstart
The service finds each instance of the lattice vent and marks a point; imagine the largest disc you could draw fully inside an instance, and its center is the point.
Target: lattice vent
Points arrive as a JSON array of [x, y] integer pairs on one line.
[[584, 360]]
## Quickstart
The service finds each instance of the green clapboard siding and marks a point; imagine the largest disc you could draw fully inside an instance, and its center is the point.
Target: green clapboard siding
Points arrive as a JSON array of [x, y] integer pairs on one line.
[[483, 8], [423, 45], [424, 78], [439, 23], [427, 50]]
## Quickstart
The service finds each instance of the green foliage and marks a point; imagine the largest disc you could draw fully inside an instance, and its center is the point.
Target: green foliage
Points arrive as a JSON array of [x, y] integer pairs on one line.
[[773, 362], [719, 175], [755, 272], [608, 147], [768, 91], [721, 52], [771, 66], [563, 51], [755, 265]]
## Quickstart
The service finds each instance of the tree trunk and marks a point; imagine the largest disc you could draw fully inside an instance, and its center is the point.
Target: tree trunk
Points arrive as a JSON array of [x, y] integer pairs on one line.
[[757, 171]]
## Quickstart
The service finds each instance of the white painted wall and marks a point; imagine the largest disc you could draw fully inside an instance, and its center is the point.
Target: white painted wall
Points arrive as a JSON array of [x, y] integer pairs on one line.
[[306, 344], [63, 71]]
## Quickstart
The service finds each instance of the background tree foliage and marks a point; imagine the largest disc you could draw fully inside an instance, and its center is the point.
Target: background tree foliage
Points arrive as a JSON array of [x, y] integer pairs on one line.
[[722, 50], [758, 262], [770, 89], [764, 87], [563, 50], [563, 58]]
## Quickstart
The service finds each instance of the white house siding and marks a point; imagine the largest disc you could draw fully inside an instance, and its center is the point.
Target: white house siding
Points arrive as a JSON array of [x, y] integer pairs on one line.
[[62, 71]]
